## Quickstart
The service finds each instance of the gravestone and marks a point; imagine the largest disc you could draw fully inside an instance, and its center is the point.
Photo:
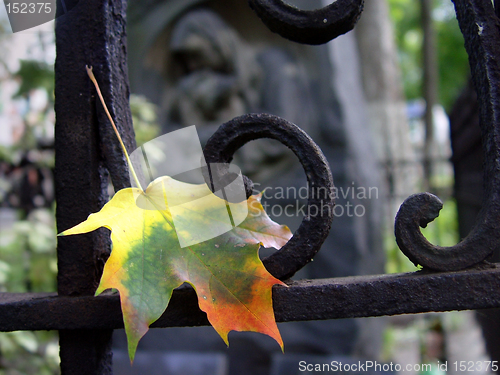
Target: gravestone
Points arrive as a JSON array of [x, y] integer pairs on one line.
[[203, 63]]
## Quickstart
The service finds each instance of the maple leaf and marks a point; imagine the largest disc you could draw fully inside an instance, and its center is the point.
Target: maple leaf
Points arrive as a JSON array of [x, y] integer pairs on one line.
[[147, 261]]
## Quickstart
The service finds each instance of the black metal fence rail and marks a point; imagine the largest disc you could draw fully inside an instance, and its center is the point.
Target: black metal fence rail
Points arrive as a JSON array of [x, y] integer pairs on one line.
[[360, 296]]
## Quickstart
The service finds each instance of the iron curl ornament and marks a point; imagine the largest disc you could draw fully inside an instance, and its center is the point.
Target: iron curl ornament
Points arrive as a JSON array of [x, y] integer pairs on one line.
[[308, 26], [311, 234], [480, 27]]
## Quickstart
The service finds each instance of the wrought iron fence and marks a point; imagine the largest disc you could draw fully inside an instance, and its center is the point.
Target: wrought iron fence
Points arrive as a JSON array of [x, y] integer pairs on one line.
[[93, 33]]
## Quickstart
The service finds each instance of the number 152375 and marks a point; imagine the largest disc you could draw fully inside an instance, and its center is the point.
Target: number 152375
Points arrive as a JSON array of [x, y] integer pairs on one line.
[[28, 8]]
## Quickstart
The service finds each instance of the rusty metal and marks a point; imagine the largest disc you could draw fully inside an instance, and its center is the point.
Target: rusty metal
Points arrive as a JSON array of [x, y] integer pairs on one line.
[[87, 33], [481, 29], [315, 226], [308, 26], [358, 296]]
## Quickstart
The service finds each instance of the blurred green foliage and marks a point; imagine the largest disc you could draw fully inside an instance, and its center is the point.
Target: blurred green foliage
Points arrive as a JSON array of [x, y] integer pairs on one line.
[[34, 75], [144, 117], [27, 254], [453, 66], [29, 353], [27, 239], [444, 230]]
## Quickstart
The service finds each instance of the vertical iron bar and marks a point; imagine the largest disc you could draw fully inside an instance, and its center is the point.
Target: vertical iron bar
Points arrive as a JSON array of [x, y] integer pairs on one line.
[[87, 33]]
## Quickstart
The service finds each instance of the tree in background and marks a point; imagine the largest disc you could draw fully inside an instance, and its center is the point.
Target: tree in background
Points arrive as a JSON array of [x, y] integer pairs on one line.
[[453, 66]]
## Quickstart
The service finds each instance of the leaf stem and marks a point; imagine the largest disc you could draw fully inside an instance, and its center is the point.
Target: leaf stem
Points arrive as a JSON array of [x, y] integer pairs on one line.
[[132, 170]]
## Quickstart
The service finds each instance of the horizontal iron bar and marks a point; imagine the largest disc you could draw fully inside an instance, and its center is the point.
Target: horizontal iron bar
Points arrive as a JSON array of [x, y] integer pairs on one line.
[[350, 297]]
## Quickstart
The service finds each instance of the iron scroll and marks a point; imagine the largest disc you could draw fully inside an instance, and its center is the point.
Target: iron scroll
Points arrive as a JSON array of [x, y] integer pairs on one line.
[[314, 229], [308, 26], [481, 29]]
